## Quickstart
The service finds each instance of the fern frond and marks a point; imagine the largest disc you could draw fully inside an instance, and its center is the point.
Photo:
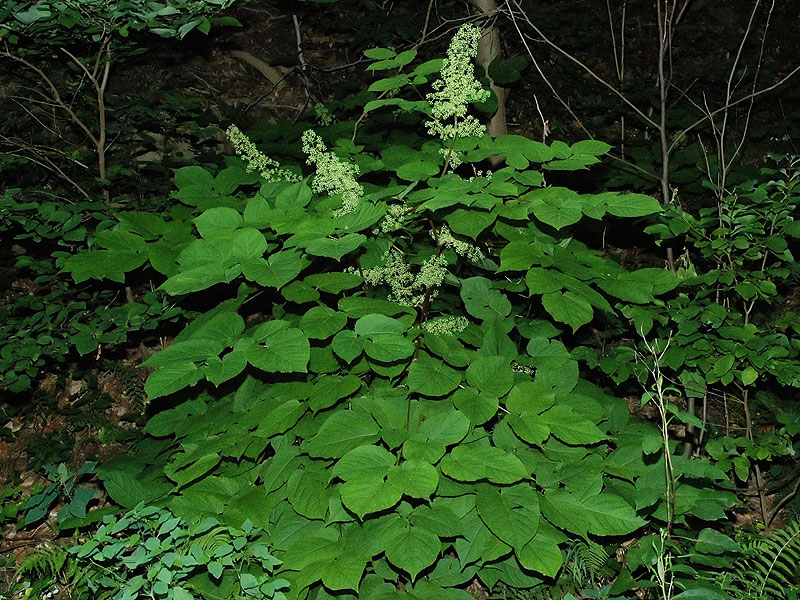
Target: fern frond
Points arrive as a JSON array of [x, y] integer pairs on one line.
[[212, 540], [45, 562], [49, 567], [594, 557], [770, 567]]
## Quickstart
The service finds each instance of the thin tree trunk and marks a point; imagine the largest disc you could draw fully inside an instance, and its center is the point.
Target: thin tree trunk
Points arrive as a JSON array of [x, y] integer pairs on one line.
[[488, 50]]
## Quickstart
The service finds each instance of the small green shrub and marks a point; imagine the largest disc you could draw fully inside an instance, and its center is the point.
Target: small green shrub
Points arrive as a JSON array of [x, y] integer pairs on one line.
[[150, 553], [384, 380]]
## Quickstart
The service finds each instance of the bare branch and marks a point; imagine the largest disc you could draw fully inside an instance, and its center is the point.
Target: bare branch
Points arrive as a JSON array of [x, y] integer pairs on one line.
[[746, 98], [53, 91], [583, 66]]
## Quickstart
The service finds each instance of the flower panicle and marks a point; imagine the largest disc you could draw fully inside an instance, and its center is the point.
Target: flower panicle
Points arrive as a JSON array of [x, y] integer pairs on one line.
[[333, 175], [454, 91], [256, 160]]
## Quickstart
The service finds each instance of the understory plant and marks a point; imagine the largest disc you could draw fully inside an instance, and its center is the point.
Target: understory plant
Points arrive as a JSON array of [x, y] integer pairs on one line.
[[381, 376], [69, 153], [150, 553], [727, 338]]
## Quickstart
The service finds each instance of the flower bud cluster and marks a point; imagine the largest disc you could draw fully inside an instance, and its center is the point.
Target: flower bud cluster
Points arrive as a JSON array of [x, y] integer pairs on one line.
[[256, 160], [446, 325], [393, 219], [446, 239], [323, 115], [527, 369], [333, 175]]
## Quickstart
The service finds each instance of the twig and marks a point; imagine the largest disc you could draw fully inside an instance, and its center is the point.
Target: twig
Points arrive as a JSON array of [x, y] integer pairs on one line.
[[583, 66], [427, 21], [679, 137], [784, 501], [100, 93], [545, 78], [54, 93], [545, 126], [303, 65]]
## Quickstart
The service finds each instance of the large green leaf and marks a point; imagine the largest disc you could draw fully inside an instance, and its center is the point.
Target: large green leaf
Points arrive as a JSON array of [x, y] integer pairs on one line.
[[378, 324], [347, 345], [511, 513], [364, 463], [477, 463], [279, 348], [248, 244], [443, 427], [170, 379], [542, 553], [570, 427], [478, 544], [568, 308], [517, 146], [431, 377], [469, 222], [307, 492], [491, 375], [437, 518], [334, 283], [482, 301], [595, 147], [631, 205], [276, 270], [413, 550], [389, 348], [335, 248], [343, 573], [415, 478], [366, 497], [218, 221], [555, 206], [329, 389], [229, 366], [321, 322], [188, 351], [340, 433], [384, 338], [519, 256], [710, 541], [605, 514], [195, 469], [199, 278], [477, 407], [296, 194]]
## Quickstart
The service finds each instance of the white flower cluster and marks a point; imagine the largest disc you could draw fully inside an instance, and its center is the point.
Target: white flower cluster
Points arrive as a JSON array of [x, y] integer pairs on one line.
[[256, 160], [446, 239], [527, 369], [323, 115], [393, 219], [333, 175], [456, 88], [406, 288], [446, 325]]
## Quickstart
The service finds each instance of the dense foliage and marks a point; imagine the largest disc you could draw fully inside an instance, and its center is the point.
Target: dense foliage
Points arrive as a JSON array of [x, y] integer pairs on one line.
[[401, 360]]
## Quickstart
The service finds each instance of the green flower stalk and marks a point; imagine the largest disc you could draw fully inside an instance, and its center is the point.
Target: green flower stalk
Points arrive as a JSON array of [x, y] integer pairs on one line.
[[455, 90], [333, 175], [256, 160]]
